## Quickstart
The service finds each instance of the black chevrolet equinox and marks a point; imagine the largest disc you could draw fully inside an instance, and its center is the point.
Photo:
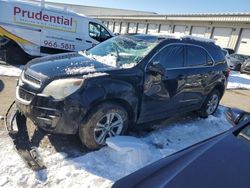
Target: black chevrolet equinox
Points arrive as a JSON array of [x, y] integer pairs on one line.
[[126, 80]]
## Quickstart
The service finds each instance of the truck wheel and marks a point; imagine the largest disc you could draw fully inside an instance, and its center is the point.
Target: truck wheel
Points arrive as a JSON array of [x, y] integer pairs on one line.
[[3, 41], [211, 104], [16, 56], [106, 120]]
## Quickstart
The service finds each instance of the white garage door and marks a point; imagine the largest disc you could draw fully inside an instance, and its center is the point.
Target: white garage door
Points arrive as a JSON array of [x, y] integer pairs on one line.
[[165, 29], [105, 23], [142, 28], [198, 31], [124, 28], [179, 29], [222, 36], [244, 42], [117, 27], [153, 28], [132, 28], [111, 26]]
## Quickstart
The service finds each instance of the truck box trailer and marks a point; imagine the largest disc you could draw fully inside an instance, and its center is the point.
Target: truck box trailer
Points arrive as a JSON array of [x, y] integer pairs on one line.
[[31, 29]]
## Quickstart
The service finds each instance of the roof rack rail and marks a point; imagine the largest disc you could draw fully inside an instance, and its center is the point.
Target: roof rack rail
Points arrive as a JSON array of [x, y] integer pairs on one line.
[[184, 36], [202, 39]]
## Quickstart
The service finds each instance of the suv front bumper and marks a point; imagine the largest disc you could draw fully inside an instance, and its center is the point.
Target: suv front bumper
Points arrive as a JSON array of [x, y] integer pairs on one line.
[[56, 116]]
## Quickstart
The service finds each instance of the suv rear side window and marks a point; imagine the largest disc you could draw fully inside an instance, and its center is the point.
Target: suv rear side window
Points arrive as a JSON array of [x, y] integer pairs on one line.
[[98, 32], [171, 56], [197, 56]]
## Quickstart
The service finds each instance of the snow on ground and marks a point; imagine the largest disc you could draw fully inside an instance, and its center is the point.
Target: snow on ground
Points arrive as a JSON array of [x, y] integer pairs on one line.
[[238, 81], [98, 168], [10, 70]]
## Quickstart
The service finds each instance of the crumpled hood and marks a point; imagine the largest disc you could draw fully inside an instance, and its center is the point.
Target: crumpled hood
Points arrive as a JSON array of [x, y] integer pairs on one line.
[[62, 65]]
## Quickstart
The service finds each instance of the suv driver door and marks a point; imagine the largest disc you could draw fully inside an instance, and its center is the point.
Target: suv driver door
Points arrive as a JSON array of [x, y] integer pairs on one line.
[[162, 94]]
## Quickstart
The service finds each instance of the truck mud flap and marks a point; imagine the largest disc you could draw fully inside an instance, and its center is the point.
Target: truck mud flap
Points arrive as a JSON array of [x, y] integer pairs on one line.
[[15, 124]]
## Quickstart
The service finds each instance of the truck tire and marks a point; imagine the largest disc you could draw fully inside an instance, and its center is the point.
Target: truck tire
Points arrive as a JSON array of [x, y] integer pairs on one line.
[[16, 56], [211, 104], [106, 120]]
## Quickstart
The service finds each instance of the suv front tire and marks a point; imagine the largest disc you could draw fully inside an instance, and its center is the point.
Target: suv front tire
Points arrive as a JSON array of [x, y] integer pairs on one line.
[[106, 120]]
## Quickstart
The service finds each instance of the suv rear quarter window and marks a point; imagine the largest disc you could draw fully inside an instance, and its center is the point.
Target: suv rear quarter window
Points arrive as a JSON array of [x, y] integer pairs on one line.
[[172, 56], [197, 56]]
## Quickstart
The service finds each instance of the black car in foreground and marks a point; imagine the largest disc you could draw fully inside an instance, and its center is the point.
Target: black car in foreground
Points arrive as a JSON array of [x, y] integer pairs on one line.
[[221, 161], [125, 80]]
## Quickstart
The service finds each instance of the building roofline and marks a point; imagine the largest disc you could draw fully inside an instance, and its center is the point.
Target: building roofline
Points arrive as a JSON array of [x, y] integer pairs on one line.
[[86, 6], [204, 17], [185, 15]]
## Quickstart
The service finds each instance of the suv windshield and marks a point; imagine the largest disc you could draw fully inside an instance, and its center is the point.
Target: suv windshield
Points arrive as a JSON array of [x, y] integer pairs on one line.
[[121, 51]]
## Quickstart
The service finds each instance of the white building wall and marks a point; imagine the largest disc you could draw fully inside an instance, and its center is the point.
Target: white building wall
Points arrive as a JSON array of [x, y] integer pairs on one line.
[[234, 35], [226, 30], [244, 42]]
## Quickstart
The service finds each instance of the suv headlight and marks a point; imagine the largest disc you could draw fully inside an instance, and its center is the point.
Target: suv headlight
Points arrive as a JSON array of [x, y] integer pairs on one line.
[[59, 89]]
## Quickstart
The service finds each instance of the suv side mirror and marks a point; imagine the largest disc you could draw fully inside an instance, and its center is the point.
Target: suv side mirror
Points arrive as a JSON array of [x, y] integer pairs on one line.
[[156, 67]]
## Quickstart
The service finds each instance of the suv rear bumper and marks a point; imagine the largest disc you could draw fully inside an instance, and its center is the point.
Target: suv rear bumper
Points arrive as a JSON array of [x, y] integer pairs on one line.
[[55, 116]]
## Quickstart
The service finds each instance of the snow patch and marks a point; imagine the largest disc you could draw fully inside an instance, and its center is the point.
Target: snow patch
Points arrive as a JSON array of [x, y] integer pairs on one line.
[[79, 70], [10, 70], [238, 81], [109, 59], [96, 74]]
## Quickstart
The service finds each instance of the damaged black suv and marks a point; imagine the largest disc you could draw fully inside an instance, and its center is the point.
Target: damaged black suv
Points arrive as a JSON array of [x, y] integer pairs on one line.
[[126, 80]]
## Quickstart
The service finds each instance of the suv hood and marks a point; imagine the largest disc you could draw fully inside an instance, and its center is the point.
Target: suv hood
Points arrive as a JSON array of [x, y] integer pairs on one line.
[[63, 65]]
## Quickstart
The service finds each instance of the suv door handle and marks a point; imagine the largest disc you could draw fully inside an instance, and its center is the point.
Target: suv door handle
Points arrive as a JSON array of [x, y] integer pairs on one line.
[[88, 41], [180, 77]]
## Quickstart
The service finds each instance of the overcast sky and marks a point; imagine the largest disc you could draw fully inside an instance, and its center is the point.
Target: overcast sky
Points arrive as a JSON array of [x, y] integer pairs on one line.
[[170, 6]]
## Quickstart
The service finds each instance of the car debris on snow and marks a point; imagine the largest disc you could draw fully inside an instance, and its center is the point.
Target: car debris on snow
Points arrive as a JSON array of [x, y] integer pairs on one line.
[[131, 150]]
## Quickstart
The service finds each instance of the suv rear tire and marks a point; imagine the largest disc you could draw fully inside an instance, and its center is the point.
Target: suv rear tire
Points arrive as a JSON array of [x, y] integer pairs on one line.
[[106, 120], [211, 104]]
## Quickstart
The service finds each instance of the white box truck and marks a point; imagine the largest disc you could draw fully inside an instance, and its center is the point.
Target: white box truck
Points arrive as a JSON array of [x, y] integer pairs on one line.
[[30, 29]]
